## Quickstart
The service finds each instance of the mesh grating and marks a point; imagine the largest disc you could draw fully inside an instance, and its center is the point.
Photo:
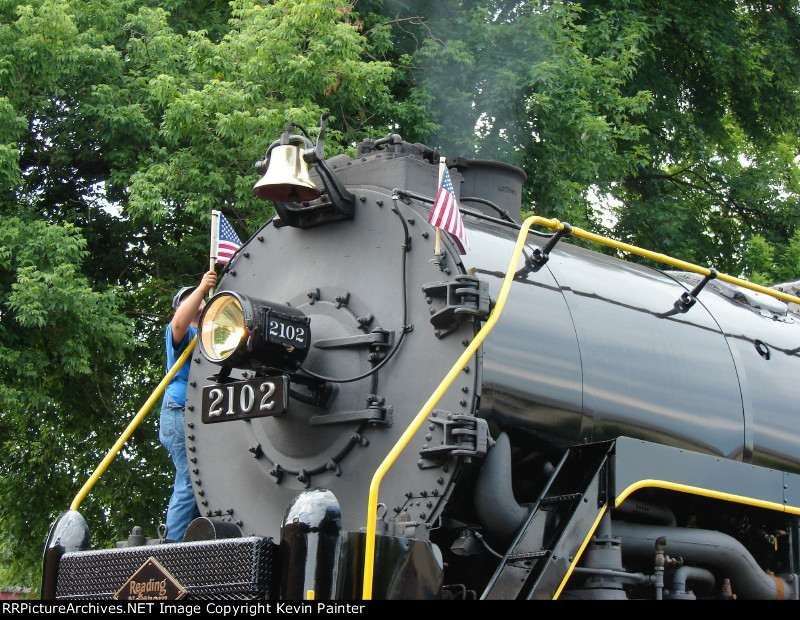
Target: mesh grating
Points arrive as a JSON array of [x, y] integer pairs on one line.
[[237, 568]]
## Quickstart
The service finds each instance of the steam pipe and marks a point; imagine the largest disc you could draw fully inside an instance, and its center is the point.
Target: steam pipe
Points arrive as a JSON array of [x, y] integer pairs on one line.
[[707, 547], [497, 508], [615, 574], [658, 567], [695, 574]]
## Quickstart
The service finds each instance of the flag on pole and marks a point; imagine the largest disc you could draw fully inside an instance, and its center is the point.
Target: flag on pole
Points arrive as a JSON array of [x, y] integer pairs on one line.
[[445, 214], [224, 240]]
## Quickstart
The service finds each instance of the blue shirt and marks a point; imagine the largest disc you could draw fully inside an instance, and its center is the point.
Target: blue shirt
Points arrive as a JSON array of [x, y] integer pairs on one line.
[[176, 390]]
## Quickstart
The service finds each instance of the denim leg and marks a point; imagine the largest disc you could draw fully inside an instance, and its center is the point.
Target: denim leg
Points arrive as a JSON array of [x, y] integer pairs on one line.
[[182, 506]]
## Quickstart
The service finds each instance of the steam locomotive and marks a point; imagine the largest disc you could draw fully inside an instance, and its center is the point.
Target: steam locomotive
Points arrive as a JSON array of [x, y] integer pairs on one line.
[[355, 432]]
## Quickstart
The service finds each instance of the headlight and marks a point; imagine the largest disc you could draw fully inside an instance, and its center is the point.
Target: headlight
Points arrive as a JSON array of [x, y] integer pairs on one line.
[[222, 328], [244, 332]]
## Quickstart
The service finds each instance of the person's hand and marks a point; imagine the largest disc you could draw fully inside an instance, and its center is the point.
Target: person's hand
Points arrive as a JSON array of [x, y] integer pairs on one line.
[[209, 281]]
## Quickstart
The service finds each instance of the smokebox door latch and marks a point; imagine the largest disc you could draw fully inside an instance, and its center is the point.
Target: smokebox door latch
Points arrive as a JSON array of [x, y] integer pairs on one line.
[[451, 302]]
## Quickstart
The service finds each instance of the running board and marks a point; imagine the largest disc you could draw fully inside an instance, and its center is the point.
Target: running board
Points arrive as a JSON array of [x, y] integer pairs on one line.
[[564, 515]]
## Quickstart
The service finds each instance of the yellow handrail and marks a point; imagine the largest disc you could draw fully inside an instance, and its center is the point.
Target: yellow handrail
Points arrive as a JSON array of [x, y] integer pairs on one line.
[[651, 483], [554, 225], [369, 553], [663, 258], [132, 426]]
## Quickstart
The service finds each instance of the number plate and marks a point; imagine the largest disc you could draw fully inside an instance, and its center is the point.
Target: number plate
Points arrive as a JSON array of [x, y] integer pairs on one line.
[[242, 400], [288, 331]]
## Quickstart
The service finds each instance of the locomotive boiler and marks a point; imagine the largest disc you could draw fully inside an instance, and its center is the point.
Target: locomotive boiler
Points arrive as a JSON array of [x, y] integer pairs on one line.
[[369, 416]]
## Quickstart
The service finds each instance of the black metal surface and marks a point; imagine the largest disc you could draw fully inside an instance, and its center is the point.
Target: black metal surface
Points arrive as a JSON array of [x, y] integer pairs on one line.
[[492, 184], [405, 569], [771, 410], [537, 561], [69, 533], [638, 461], [203, 528], [310, 546], [590, 348], [221, 569]]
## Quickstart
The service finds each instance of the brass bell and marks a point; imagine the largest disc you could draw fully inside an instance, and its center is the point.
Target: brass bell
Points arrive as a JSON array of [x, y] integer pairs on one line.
[[286, 178]]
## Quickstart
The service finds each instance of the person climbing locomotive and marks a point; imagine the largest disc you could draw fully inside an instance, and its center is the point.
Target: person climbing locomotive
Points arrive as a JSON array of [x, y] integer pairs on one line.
[[188, 303]]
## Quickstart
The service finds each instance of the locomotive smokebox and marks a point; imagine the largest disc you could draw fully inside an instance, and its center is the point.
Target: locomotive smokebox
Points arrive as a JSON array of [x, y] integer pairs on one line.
[[364, 303]]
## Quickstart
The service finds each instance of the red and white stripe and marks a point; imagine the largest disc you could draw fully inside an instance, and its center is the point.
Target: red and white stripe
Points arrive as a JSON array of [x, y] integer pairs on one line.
[[445, 215], [225, 251]]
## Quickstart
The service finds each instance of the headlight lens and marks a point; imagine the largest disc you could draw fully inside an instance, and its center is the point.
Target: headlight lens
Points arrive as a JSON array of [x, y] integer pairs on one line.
[[223, 327]]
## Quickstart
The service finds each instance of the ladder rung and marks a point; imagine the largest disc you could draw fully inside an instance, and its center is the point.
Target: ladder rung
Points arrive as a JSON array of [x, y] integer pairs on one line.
[[556, 499], [532, 555]]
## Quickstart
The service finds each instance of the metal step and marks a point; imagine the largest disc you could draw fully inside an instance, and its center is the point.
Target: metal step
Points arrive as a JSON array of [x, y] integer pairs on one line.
[[567, 510]]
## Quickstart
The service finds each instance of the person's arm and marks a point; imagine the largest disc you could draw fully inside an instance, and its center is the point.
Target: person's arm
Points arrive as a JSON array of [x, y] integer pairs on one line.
[[186, 313]]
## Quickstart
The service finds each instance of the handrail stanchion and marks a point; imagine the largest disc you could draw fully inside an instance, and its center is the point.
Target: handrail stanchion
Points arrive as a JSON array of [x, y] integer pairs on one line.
[[369, 553], [132, 426]]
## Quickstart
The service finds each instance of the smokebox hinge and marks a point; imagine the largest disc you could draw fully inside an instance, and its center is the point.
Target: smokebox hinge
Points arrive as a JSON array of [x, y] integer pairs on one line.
[[461, 435], [463, 298]]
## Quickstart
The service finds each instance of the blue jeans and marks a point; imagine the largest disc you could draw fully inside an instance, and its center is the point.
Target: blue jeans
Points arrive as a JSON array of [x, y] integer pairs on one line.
[[182, 506]]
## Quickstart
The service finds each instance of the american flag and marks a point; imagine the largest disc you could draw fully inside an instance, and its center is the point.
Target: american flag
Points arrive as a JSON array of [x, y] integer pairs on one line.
[[445, 213], [227, 240]]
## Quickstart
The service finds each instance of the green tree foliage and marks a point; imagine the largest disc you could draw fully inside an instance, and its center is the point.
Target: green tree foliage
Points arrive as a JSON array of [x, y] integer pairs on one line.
[[123, 123], [671, 125]]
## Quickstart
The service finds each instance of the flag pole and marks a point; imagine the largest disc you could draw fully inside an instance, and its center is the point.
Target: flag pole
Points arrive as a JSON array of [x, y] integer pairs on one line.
[[438, 247], [214, 242]]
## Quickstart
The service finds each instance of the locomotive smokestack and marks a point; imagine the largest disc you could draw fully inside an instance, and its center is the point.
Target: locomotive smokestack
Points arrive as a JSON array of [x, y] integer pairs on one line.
[[492, 187]]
